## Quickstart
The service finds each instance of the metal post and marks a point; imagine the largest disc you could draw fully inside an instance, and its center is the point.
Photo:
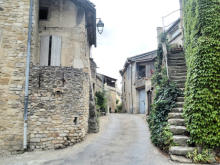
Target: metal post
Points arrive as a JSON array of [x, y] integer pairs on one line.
[[27, 75]]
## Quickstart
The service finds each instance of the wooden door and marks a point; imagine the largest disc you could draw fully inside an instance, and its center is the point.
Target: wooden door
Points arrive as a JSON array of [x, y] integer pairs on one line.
[[56, 51], [142, 101]]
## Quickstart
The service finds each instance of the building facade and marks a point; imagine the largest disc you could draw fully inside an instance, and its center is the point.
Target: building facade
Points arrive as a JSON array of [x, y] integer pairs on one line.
[[60, 95], [108, 85], [136, 83]]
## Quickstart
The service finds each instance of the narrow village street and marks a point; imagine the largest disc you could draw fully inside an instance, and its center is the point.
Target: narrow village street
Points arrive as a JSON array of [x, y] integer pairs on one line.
[[124, 139]]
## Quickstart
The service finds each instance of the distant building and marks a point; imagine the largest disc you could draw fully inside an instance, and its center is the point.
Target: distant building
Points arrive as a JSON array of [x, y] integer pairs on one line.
[[136, 83], [108, 85]]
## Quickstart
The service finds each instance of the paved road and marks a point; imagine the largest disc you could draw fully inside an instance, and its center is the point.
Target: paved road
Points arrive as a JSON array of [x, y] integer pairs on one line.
[[123, 140]]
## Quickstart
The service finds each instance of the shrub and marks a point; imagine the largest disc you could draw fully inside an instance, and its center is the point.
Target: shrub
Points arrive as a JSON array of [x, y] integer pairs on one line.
[[205, 156], [119, 108], [164, 101], [202, 50], [101, 101]]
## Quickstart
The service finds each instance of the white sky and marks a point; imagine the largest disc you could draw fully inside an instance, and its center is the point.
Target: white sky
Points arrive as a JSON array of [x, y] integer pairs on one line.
[[130, 29]]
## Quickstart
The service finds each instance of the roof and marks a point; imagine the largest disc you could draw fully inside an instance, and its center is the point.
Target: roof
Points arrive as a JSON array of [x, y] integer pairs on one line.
[[90, 11], [104, 76], [149, 56], [173, 25], [143, 56]]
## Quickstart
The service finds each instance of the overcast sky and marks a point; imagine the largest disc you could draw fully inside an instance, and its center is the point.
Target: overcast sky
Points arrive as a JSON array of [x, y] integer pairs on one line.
[[130, 29]]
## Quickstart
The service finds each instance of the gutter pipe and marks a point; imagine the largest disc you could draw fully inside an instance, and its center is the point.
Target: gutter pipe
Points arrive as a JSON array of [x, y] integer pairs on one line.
[[27, 72]]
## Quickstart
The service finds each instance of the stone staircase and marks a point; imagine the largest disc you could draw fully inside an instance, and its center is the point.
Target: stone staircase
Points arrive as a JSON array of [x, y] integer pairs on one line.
[[177, 73]]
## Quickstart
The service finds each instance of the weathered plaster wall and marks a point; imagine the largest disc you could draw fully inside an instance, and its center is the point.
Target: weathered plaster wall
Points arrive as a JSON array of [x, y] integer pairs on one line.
[[111, 98], [59, 107], [66, 20], [13, 40], [126, 91], [131, 87], [98, 85]]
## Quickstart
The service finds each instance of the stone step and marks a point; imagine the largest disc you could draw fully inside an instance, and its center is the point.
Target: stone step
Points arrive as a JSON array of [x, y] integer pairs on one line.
[[180, 140], [177, 109], [180, 54], [175, 115], [180, 85], [177, 68], [182, 77], [175, 55], [180, 99], [180, 159], [177, 122], [176, 59], [176, 64], [180, 150], [178, 130], [180, 81], [177, 74], [179, 104]]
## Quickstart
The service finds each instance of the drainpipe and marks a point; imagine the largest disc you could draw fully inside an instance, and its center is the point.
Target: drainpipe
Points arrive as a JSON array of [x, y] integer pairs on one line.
[[132, 105], [27, 75]]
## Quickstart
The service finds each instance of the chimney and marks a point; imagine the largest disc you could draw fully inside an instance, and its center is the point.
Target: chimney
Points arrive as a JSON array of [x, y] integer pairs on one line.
[[159, 32]]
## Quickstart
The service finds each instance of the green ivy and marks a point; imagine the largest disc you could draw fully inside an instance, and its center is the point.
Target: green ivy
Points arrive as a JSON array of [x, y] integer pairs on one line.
[[101, 101], [164, 101], [204, 156], [202, 91]]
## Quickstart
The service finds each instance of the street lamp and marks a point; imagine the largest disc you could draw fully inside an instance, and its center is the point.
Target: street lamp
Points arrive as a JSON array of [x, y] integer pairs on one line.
[[100, 26]]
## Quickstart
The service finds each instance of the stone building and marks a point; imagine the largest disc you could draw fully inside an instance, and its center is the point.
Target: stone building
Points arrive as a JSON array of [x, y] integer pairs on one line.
[[108, 85], [61, 101], [136, 83], [174, 34]]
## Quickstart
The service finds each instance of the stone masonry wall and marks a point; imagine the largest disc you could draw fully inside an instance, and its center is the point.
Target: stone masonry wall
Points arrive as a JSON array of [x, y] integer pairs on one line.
[[13, 41], [59, 107]]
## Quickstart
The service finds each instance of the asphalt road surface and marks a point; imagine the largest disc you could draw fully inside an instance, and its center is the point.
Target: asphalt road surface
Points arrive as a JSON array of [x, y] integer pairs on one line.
[[124, 139]]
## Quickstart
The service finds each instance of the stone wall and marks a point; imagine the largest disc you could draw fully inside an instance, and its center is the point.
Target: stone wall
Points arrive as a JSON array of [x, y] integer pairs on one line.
[[14, 17], [59, 107], [13, 41]]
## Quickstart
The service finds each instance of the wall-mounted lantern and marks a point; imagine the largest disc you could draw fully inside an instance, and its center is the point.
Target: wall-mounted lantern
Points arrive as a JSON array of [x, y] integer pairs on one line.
[[100, 26]]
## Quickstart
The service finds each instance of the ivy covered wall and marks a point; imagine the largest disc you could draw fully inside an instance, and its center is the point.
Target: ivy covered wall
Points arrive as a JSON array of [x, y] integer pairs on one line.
[[202, 50]]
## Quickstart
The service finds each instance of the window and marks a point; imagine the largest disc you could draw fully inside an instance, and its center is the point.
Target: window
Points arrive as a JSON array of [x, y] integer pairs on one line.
[[50, 51], [43, 13], [141, 71]]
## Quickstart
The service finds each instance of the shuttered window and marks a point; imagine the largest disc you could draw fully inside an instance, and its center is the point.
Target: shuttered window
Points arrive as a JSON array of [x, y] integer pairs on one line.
[[50, 51]]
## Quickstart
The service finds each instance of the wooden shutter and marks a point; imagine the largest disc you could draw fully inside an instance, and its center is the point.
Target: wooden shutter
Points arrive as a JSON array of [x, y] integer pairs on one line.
[[56, 51], [44, 50]]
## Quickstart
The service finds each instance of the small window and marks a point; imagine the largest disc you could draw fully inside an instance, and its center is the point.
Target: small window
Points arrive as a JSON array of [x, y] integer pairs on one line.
[[43, 13]]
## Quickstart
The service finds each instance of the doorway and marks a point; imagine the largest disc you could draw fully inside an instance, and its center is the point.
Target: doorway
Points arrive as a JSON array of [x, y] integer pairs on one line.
[[142, 101]]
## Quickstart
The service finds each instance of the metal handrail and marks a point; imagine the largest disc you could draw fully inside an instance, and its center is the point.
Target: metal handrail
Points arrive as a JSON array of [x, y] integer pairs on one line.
[[165, 52]]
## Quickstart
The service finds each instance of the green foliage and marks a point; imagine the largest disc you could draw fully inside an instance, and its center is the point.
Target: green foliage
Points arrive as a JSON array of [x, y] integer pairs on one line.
[[202, 50], [119, 108], [205, 156], [165, 100], [101, 101]]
